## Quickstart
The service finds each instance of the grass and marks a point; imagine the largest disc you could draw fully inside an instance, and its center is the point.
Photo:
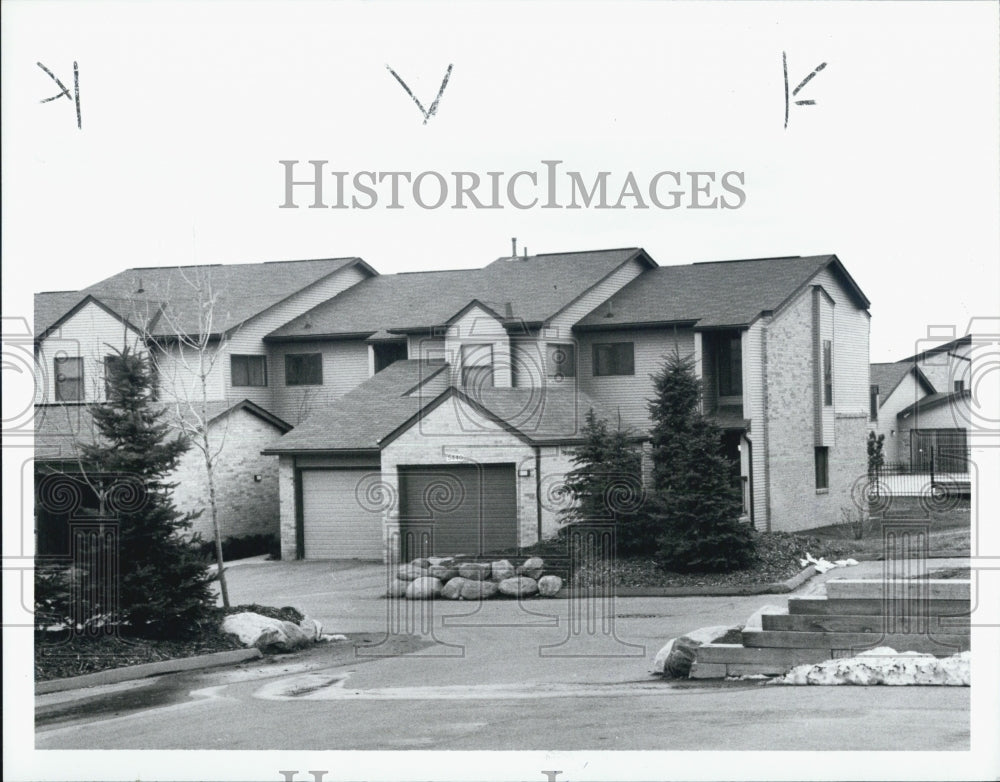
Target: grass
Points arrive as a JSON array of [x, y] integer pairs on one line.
[[59, 654]]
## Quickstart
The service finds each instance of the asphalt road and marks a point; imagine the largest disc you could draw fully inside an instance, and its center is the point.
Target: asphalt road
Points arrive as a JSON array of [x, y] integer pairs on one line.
[[540, 675]]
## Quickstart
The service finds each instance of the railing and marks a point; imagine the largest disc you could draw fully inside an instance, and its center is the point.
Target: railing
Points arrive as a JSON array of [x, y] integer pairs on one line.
[[929, 476]]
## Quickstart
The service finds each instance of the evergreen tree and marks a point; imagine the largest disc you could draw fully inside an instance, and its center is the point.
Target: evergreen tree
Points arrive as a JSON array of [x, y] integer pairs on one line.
[[693, 502], [163, 582], [606, 484]]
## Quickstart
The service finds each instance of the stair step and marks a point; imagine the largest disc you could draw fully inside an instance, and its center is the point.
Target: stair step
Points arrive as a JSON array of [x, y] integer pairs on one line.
[[818, 605], [735, 653], [845, 623], [940, 644], [913, 588]]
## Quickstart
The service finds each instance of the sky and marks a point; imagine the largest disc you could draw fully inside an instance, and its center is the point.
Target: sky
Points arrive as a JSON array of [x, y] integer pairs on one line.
[[187, 108]]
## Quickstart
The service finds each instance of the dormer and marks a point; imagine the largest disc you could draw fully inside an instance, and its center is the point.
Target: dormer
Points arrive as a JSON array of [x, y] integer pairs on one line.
[[477, 347]]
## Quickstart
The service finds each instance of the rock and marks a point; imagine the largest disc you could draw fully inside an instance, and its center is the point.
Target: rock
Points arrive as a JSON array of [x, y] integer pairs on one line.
[[424, 588], [518, 586], [421, 562], [549, 586], [532, 568], [474, 571], [453, 588], [442, 572], [397, 588], [441, 561], [660, 661], [679, 653], [312, 628], [410, 572], [264, 632], [478, 590], [501, 570]]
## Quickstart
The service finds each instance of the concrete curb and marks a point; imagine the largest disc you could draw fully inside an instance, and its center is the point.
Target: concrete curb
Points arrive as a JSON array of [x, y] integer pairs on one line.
[[128, 672], [778, 588]]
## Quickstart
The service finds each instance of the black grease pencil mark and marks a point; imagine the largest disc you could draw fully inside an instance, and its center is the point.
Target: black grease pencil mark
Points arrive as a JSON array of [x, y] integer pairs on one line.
[[64, 91], [803, 83], [428, 113]]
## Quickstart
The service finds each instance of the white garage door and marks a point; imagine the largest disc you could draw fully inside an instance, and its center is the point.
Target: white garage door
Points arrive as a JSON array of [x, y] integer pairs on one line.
[[336, 525]]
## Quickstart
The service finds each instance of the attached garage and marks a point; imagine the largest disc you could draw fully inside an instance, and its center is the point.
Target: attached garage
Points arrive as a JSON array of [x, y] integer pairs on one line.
[[336, 522], [457, 509]]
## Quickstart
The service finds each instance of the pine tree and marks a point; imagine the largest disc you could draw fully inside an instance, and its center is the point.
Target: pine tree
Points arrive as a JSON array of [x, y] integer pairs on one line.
[[693, 503], [606, 484], [163, 582]]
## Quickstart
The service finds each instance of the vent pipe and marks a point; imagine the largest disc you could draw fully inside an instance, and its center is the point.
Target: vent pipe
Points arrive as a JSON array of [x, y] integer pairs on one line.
[[513, 247]]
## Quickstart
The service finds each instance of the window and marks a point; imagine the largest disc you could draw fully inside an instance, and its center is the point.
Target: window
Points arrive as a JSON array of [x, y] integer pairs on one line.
[[730, 358], [386, 353], [614, 358], [560, 361], [69, 379], [303, 369], [873, 402], [248, 370], [110, 364], [827, 373], [959, 386], [477, 366], [822, 468]]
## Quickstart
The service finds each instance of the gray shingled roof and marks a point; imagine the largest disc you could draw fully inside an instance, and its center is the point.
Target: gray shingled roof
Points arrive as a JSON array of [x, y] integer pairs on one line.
[[887, 376], [724, 293], [363, 418], [243, 290], [536, 287], [933, 400]]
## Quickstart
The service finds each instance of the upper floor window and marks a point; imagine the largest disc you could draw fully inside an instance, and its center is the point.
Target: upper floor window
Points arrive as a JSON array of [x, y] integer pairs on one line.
[[873, 402], [249, 370], [959, 386], [477, 366], [69, 378], [303, 369], [560, 361], [111, 363], [827, 372], [387, 353], [730, 366], [614, 358]]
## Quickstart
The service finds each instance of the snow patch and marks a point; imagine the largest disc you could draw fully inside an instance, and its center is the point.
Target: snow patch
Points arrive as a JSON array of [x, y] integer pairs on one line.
[[885, 666]]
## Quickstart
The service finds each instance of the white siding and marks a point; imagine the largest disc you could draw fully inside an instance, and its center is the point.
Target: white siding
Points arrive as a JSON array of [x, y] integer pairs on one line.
[[478, 327], [629, 393], [897, 447], [345, 366], [180, 369], [91, 334], [850, 348]]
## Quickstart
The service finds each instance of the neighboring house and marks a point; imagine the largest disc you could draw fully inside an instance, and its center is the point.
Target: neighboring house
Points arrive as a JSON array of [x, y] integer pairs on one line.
[[155, 309], [923, 406], [464, 446], [438, 411]]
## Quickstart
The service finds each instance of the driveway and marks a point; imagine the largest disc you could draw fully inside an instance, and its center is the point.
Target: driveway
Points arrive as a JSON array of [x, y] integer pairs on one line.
[[542, 674]]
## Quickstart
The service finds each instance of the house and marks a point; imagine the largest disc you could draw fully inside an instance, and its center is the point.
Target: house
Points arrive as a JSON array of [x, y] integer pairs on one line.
[[922, 406], [439, 410], [157, 310], [463, 443]]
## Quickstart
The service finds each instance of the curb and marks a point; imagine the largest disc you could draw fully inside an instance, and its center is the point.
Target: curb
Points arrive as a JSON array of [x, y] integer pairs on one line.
[[128, 672], [777, 588]]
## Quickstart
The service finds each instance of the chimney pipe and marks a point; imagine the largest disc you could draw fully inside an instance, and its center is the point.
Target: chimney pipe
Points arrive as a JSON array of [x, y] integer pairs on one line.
[[513, 247], [525, 253]]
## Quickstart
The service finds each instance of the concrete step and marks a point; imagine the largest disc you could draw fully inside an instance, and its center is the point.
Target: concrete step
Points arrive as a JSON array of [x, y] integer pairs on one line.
[[846, 623], [939, 644], [819, 605], [899, 589]]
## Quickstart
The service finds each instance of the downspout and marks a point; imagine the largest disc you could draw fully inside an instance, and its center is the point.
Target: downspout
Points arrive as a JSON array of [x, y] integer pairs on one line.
[[538, 489]]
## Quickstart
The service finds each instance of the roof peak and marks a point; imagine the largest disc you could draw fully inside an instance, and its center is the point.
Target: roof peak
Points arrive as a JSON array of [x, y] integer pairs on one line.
[[750, 260]]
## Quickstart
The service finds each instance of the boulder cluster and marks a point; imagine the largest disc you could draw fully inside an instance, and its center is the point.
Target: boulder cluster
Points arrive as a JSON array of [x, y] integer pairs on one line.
[[434, 577]]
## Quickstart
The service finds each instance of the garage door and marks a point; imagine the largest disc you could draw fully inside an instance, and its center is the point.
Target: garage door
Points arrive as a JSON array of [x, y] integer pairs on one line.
[[457, 509], [335, 524]]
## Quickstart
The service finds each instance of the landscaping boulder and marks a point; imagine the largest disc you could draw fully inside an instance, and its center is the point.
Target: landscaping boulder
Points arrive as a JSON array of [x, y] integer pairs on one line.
[[453, 587], [474, 571], [441, 561], [549, 586], [410, 572], [397, 588], [421, 562], [518, 586], [478, 590], [532, 568], [442, 572], [501, 570], [674, 659], [424, 588], [264, 632]]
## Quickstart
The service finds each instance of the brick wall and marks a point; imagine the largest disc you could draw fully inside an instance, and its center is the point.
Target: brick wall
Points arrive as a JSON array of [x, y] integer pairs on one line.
[[246, 506]]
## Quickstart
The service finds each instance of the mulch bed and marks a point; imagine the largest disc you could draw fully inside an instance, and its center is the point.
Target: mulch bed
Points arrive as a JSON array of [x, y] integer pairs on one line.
[[59, 654]]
